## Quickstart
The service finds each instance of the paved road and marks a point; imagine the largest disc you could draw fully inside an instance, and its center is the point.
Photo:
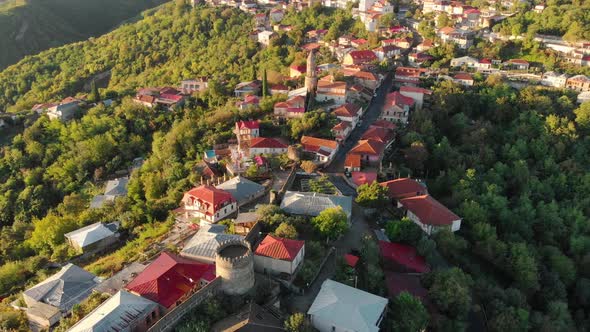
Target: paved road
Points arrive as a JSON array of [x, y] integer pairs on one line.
[[371, 114]]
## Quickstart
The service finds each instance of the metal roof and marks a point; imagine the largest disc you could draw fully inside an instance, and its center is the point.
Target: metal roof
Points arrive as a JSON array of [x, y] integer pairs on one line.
[[90, 234], [202, 246], [348, 307], [71, 285], [118, 313], [311, 204], [242, 189], [117, 187]]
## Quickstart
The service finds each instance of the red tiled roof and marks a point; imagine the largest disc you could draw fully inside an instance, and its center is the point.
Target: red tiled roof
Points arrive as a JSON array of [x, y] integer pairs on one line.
[[365, 75], [248, 124], [384, 124], [412, 89], [170, 277], [403, 282], [429, 210], [360, 178], [359, 41], [265, 142], [351, 260], [404, 255], [404, 187], [309, 143], [381, 134], [352, 160], [341, 126], [365, 55], [279, 87], [300, 68], [251, 99], [370, 147], [518, 61], [347, 110], [463, 77], [279, 248], [447, 30], [472, 11], [212, 197], [396, 98], [408, 72], [173, 97]]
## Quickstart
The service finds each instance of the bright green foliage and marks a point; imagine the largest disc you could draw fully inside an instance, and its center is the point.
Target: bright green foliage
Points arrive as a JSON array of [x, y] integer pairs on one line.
[[322, 185], [331, 222], [49, 232], [296, 323], [409, 313], [287, 231], [372, 195]]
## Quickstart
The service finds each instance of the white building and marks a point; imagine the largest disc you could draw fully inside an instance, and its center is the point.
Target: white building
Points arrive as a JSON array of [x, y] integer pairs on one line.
[[208, 203], [429, 214], [276, 255], [554, 79], [264, 37], [341, 308], [464, 60]]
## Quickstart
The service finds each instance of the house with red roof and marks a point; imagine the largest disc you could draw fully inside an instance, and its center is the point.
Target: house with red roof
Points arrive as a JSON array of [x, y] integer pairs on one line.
[[246, 130], [403, 188], [352, 163], [249, 101], [386, 52], [430, 214], [278, 89], [418, 58], [517, 64], [464, 79], [370, 151], [266, 145], [166, 97], [359, 57], [208, 203], [425, 45], [349, 113], [275, 255], [293, 107], [324, 149], [356, 43], [418, 94], [170, 280], [376, 133], [276, 14], [329, 89], [341, 131], [366, 78], [396, 108], [402, 258], [351, 260], [408, 75]]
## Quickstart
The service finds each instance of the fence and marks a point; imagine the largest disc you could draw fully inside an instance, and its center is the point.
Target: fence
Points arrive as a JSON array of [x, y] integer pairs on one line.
[[172, 318]]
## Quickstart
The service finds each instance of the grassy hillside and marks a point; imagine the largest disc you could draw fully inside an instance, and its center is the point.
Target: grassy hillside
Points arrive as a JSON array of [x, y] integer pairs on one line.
[[31, 26]]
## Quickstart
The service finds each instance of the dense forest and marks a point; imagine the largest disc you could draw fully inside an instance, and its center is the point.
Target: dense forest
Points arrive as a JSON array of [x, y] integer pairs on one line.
[[31, 26], [567, 19], [516, 166]]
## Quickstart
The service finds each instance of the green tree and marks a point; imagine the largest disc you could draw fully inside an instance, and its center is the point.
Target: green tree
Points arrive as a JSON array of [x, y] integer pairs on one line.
[[264, 84], [450, 290], [404, 231], [94, 94], [331, 222], [287, 231], [523, 267], [409, 314], [372, 195], [583, 116], [443, 20], [49, 232]]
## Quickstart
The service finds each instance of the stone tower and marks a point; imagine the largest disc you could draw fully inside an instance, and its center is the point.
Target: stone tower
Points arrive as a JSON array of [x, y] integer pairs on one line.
[[311, 77], [234, 263]]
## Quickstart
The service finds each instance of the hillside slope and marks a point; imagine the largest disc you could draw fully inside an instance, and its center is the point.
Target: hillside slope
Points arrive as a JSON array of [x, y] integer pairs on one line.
[[31, 26]]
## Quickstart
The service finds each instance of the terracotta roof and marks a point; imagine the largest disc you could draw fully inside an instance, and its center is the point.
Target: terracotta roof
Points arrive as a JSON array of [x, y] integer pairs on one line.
[[364, 55], [360, 178], [341, 125], [310, 142], [365, 75], [248, 124], [463, 77], [170, 277], [429, 210], [146, 98], [352, 160], [384, 135], [412, 89], [212, 197], [403, 282], [300, 68], [368, 147], [447, 30], [396, 98], [404, 187], [408, 72], [359, 41], [404, 255], [347, 110], [384, 124], [265, 142], [518, 61], [279, 248]]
